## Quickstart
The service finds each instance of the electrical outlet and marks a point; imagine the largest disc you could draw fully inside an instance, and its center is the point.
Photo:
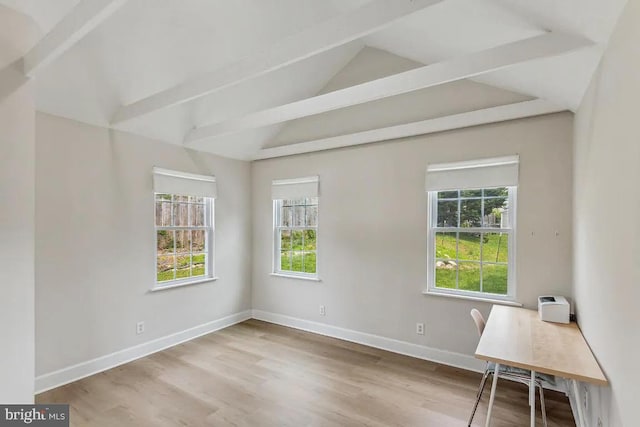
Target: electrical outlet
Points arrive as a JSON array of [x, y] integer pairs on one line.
[[140, 328], [420, 328], [323, 311]]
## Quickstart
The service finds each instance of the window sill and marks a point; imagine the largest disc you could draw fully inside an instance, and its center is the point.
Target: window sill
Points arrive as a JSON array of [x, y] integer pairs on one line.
[[295, 276], [181, 284], [473, 298]]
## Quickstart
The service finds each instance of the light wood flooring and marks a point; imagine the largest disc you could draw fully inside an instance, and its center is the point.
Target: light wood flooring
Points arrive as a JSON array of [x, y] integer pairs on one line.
[[260, 374]]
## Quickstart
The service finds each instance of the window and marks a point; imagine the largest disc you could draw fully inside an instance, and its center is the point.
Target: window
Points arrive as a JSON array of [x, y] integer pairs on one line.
[[295, 235], [184, 234], [183, 227], [295, 216], [471, 237], [471, 230]]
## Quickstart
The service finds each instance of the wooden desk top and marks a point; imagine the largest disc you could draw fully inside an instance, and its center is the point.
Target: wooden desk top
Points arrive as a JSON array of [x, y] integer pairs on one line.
[[517, 337]]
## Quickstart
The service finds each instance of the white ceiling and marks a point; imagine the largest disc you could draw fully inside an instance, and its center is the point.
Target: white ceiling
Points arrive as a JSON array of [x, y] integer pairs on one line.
[[46, 14], [149, 45], [457, 27], [369, 64]]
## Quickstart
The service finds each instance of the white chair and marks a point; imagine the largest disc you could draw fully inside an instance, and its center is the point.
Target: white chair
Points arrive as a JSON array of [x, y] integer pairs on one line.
[[509, 373]]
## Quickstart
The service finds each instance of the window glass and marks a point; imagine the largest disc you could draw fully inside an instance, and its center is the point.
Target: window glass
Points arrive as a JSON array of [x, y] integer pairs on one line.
[[295, 228], [184, 233], [471, 238]]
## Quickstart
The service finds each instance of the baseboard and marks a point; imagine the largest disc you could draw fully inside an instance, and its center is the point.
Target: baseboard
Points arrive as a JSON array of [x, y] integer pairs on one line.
[[81, 370], [84, 369], [444, 357]]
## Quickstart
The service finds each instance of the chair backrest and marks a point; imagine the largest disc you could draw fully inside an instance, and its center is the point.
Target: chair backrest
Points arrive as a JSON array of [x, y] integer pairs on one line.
[[479, 320]]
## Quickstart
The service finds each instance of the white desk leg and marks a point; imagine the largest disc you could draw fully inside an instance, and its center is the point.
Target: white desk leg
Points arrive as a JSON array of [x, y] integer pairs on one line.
[[576, 393], [532, 398], [493, 394]]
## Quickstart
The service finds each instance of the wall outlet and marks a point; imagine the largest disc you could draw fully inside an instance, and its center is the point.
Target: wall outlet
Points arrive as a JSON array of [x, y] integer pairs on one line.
[[420, 328], [140, 328], [323, 311]]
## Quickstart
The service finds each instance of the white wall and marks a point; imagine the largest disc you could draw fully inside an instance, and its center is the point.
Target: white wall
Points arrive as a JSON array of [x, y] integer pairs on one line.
[[607, 226], [95, 252], [372, 230], [17, 115]]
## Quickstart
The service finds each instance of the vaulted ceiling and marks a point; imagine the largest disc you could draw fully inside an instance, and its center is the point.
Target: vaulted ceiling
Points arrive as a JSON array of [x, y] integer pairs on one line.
[[245, 78]]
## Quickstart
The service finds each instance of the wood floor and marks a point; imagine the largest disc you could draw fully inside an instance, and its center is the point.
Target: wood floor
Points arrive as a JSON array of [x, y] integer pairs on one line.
[[259, 374]]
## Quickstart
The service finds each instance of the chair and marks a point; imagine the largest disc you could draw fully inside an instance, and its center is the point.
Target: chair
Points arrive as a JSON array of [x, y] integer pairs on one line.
[[509, 373]]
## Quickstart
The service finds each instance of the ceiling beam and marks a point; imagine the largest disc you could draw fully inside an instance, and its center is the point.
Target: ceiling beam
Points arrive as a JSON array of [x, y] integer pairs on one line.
[[501, 113], [82, 19], [372, 16], [458, 68]]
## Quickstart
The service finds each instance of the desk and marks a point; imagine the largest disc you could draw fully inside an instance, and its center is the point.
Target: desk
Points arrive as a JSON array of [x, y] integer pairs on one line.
[[517, 337]]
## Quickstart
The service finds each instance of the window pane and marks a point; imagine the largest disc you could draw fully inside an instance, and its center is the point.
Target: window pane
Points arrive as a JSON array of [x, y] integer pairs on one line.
[[183, 263], [199, 239], [177, 198], [285, 260], [469, 246], [288, 202], [309, 262], [197, 215], [469, 276], [448, 213], [471, 193], [183, 241], [194, 199], [493, 212], [165, 268], [312, 216], [285, 240], [445, 246], [199, 265], [165, 241], [298, 236], [448, 194], [494, 279], [163, 214], [180, 214], [298, 216], [297, 254], [470, 213], [446, 272], [309, 240], [495, 247], [297, 261], [493, 192], [166, 197], [286, 216]]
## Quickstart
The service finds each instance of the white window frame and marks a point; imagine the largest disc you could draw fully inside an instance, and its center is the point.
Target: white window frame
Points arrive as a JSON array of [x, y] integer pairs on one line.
[[432, 228], [277, 229], [209, 228]]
